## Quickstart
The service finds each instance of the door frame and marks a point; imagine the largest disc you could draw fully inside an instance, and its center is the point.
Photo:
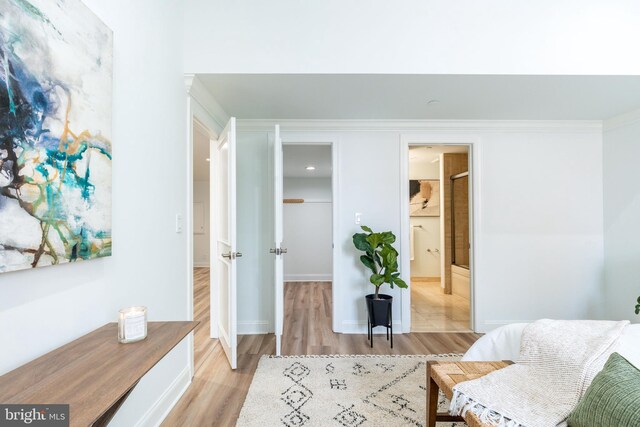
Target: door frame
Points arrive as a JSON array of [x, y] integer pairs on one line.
[[202, 109], [324, 139], [405, 227]]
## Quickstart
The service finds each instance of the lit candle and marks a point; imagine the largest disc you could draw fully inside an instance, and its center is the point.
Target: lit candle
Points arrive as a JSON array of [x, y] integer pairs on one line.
[[132, 324]]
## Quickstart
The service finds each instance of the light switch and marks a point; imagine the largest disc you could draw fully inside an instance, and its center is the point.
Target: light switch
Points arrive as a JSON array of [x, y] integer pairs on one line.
[[358, 218], [178, 223]]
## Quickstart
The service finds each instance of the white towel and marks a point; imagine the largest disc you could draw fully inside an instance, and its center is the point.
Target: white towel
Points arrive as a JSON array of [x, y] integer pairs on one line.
[[412, 239]]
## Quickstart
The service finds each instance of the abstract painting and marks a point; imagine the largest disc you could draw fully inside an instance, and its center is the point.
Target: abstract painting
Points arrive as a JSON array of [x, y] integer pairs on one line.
[[424, 197], [55, 134]]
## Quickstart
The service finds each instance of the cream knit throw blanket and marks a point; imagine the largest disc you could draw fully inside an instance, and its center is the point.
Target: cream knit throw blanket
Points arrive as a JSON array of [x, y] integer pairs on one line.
[[558, 360]]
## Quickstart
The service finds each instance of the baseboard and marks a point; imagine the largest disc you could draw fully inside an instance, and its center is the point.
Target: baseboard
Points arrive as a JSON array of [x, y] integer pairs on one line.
[[308, 277], [256, 327], [159, 410], [357, 327], [201, 264], [424, 279]]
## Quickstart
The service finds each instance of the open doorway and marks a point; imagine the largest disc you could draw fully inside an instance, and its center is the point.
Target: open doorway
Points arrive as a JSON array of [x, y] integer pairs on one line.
[[308, 239], [201, 242], [439, 227]]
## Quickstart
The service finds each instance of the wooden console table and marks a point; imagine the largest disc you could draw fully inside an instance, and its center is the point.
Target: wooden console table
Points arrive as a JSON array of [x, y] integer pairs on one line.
[[93, 374], [444, 376]]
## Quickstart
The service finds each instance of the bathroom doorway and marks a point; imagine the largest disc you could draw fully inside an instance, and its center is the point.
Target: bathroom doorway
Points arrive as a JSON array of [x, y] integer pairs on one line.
[[439, 238]]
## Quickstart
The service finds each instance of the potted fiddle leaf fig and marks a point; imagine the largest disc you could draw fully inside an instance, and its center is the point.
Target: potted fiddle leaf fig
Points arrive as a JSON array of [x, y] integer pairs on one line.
[[381, 258]]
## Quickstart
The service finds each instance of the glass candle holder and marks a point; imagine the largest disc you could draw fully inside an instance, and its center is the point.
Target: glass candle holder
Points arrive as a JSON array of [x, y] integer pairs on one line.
[[132, 324]]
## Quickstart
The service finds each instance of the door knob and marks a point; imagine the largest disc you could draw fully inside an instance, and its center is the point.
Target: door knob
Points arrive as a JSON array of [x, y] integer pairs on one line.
[[283, 250], [227, 255], [273, 251], [238, 255]]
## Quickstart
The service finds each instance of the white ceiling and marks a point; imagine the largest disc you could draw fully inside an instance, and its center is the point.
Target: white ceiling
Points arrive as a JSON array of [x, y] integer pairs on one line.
[[427, 153], [397, 97], [200, 154], [298, 157]]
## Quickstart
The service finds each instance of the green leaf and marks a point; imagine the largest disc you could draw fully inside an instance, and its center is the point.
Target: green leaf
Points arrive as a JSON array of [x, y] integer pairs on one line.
[[388, 255], [378, 260], [400, 283], [368, 262], [377, 279], [361, 243], [387, 277], [380, 257], [374, 240], [388, 237]]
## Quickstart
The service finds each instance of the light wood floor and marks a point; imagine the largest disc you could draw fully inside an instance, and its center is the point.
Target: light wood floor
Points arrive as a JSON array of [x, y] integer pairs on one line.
[[434, 311], [202, 343], [216, 395]]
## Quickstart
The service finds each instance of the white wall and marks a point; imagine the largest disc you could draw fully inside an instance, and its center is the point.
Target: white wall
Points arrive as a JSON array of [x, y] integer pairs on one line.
[[310, 189], [427, 229], [539, 212], [621, 214], [414, 37], [201, 242], [308, 230], [47, 307], [539, 245]]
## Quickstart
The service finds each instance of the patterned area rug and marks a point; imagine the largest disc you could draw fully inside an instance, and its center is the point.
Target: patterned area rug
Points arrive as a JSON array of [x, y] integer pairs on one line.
[[340, 391]]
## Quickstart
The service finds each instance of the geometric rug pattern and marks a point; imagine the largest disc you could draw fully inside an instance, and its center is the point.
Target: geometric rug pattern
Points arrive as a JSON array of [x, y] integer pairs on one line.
[[340, 391]]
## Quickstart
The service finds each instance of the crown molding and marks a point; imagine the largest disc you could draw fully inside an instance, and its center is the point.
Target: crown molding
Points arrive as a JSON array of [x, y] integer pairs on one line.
[[622, 120], [568, 126], [199, 92]]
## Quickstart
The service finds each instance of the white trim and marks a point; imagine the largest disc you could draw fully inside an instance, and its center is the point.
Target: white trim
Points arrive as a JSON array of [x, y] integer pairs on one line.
[[188, 221], [202, 264], [405, 263], [199, 92], [308, 277], [255, 327], [622, 120], [359, 327], [333, 140], [502, 126], [161, 408], [203, 111]]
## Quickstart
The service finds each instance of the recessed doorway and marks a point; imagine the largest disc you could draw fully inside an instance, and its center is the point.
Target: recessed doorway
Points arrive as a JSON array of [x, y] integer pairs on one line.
[[439, 238], [203, 343], [308, 239]]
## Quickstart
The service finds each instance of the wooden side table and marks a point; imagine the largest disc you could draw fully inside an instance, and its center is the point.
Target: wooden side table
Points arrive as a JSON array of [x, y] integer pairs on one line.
[[444, 376], [94, 374]]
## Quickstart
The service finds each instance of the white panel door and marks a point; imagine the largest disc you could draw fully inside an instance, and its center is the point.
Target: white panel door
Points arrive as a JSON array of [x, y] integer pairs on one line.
[[278, 250], [225, 252]]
